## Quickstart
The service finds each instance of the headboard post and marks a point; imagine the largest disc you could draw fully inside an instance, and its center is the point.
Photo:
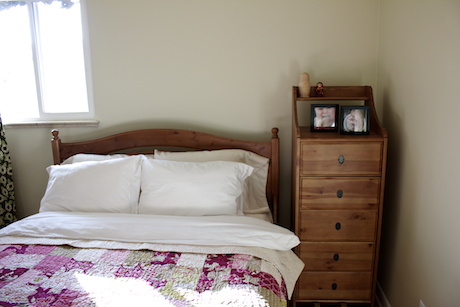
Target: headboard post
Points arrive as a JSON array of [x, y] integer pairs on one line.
[[55, 144], [275, 168]]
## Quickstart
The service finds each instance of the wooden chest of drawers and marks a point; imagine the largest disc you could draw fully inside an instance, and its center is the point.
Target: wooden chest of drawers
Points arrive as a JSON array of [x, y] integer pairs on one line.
[[338, 184]]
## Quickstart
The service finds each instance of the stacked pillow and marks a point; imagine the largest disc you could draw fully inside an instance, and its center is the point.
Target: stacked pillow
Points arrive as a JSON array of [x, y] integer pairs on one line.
[[254, 195], [110, 185], [221, 182], [188, 188]]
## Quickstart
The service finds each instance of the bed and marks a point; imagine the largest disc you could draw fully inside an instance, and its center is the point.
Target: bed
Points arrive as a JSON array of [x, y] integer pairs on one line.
[[156, 217]]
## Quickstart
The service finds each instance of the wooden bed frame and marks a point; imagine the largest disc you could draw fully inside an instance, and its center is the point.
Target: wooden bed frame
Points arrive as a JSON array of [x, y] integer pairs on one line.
[[140, 141]]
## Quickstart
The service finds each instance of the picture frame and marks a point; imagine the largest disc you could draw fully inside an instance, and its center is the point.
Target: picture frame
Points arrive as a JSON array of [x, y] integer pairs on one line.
[[355, 120], [324, 118]]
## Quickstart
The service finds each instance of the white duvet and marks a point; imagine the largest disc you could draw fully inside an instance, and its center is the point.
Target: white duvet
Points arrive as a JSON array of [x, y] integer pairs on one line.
[[201, 234]]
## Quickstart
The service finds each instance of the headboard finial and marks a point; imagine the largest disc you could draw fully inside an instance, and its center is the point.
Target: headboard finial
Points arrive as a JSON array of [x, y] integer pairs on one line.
[[275, 133], [55, 134], [55, 144]]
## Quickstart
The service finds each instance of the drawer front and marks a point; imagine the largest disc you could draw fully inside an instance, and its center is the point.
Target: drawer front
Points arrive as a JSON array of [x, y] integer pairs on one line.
[[339, 193], [334, 286], [338, 225], [344, 159], [322, 256]]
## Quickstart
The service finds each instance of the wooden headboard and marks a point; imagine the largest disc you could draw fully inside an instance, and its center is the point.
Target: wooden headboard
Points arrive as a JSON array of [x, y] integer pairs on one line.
[[140, 141]]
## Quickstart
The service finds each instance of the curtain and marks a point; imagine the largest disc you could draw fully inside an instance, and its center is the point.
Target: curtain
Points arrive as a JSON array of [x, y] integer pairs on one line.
[[7, 203], [4, 5]]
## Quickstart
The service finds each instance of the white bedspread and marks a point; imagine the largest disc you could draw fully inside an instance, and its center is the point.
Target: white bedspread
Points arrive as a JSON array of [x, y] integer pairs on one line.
[[205, 234]]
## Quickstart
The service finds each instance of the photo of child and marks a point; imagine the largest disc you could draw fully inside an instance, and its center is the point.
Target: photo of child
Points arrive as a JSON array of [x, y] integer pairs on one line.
[[324, 117], [355, 120]]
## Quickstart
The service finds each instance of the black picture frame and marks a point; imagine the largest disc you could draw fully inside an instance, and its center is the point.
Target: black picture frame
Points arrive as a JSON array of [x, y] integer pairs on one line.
[[355, 120], [324, 118]]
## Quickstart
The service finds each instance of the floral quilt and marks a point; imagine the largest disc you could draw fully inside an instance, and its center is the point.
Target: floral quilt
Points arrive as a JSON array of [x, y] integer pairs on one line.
[[49, 275]]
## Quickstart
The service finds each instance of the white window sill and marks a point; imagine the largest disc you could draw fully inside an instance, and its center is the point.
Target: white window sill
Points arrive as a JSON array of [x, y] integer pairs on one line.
[[54, 124]]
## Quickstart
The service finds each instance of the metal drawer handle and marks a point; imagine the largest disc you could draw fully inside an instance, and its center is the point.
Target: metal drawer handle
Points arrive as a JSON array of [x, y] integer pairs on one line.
[[336, 257], [339, 193], [334, 286], [338, 226], [341, 159]]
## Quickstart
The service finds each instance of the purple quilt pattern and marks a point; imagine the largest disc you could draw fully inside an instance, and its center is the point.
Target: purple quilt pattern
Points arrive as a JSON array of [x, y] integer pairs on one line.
[[47, 275]]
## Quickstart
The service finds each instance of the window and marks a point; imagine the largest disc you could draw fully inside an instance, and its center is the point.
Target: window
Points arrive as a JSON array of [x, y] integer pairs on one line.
[[44, 61]]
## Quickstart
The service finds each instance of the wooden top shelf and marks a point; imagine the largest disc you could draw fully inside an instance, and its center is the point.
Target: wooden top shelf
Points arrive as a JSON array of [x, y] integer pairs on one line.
[[339, 93], [332, 98]]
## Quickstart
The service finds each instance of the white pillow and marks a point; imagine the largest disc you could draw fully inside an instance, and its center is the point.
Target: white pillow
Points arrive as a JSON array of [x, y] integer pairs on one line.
[[94, 186], [95, 157], [192, 189], [255, 195], [91, 157]]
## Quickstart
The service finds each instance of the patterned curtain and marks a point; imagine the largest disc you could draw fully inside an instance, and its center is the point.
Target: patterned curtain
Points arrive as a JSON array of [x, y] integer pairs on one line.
[[7, 204], [66, 4]]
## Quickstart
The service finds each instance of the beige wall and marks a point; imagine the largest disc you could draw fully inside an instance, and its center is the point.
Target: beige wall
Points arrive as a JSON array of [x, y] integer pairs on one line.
[[224, 67], [227, 67], [418, 81]]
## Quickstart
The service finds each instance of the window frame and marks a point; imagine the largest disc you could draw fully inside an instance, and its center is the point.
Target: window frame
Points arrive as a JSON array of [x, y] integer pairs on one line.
[[58, 117]]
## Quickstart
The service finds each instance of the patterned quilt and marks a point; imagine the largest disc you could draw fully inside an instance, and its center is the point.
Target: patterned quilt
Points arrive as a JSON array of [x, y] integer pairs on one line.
[[49, 275]]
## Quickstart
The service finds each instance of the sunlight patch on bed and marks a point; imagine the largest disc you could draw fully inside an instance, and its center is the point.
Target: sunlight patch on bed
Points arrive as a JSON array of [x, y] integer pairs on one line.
[[228, 296], [107, 291]]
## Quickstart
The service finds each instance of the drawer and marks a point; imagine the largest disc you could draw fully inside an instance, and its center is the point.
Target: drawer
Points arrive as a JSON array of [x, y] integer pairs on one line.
[[338, 225], [322, 256], [344, 159], [334, 286], [339, 193]]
